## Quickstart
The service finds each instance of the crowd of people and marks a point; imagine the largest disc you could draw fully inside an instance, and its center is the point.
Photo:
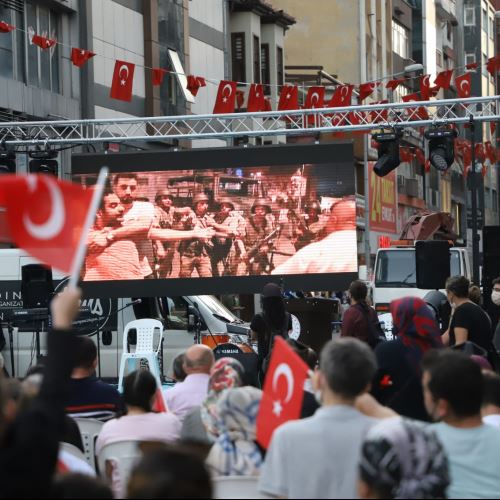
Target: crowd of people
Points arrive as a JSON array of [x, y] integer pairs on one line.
[[134, 239], [414, 417]]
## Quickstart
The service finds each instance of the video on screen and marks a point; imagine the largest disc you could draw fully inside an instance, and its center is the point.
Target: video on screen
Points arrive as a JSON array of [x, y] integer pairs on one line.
[[274, 220]]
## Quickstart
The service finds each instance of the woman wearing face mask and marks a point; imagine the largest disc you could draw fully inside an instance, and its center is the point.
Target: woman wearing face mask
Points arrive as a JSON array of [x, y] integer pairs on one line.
[[495, 299], [469, 322]]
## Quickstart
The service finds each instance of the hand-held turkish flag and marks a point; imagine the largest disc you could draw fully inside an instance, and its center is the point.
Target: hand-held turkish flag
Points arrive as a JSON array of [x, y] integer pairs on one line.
[[158, 75], [43, 42], [6, 27], [194, 83], [366, 90], [256, 99], [289, 98], [123, 81], [80, 56], [463, 85], [283, 391], [226, 98], [342, 96], [443, 79]]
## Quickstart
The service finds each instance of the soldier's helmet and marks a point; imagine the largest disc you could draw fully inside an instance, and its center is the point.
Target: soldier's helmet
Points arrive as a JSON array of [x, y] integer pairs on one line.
[[313, 205], [161, 193], [262, 202], [199, 198], [225, 201]]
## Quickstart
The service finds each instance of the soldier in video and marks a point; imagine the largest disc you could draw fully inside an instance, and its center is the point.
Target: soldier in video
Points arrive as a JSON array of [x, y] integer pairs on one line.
[[166, 217], [312, 225], [260, 234], [229, 251]]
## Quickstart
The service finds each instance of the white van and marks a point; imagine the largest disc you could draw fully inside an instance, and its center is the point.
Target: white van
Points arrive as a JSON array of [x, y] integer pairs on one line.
[[104, 319]]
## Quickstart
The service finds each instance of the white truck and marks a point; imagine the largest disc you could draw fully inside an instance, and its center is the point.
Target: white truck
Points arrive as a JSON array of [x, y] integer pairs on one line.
[[395, 267]]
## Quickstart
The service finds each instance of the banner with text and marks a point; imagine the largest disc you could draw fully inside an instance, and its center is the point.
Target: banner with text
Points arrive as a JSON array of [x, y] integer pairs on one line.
[[383, 202]]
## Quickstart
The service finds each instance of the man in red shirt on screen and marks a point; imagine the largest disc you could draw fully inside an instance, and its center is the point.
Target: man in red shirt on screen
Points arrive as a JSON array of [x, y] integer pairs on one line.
[[336, 253]]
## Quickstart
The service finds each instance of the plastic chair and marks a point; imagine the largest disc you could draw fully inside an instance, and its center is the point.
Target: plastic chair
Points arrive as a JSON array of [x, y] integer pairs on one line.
[[72, 450], [116, 461], [71, 459], [89, 429], [145, 329], [236, 487]]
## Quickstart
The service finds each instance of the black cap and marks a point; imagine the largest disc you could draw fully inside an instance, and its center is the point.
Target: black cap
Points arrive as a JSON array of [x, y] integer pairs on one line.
[[271, 290]]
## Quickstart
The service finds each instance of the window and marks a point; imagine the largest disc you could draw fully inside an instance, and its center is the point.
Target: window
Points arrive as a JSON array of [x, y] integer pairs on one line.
[[487, 199], [265, 67], [485, 62], [279, 66], [238, 56], [400, 40], [439, 58], [492, 27], [256, 59], [470, 58], [43, 65], [470, 15]]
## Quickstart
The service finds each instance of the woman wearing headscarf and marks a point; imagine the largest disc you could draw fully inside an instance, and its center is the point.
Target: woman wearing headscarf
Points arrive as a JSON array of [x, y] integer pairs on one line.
[[402, 459], [200, 424], [235, 452], [398, 382]]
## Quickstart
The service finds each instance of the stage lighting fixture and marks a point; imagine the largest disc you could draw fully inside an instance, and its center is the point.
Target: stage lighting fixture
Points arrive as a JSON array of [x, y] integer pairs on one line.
[[43, 162], [7, 162], [388, 151], [441, 150]]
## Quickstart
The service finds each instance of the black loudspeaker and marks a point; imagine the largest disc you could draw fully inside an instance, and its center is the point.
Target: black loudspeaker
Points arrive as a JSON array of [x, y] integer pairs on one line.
[[37, 287], [491, 253], [432, 260], [146, 308]]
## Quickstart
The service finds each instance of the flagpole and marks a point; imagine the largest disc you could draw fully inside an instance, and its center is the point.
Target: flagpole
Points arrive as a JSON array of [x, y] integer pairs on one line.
[[82, 244]]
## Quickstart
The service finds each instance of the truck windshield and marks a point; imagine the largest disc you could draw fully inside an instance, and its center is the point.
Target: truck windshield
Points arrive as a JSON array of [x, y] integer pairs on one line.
[[396, 268]]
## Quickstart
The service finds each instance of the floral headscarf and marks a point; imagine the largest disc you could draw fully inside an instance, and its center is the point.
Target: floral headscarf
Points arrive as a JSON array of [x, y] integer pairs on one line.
[[404, 457], [235, 453], [227, 373]]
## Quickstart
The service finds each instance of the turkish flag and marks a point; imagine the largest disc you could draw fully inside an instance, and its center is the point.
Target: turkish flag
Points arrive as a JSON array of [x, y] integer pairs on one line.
[[158, 75], [159, 405], [405, 155], [123, 81], [366, 90], [289, 98], [480, 153], [42, 42], [45, 216], [443, 79], [419, 113], [490, 152], [194, 84], [6, 27], [226, 98], [342, 96], [493, 65], [425, 87], [315, 98], [427, 166], [463, 85], [283, 391], [394, 84], [419, 154], [256, 99], [80, 56], [472, 66]]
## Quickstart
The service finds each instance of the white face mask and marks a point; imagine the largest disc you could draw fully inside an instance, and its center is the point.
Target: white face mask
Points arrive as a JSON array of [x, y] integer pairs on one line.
[[495, 297]]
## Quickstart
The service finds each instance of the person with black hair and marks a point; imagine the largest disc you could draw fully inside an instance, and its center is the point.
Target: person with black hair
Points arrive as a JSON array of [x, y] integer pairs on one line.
[[178, 373], [68, 486], [453, 394], [272, 322], [140, 423], [490, 409], [90, 397]]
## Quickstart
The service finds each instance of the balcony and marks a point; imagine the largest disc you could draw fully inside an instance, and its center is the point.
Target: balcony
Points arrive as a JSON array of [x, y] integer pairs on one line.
[[447, 10]]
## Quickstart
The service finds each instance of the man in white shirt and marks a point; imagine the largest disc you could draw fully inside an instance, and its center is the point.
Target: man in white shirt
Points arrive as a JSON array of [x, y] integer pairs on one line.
[[337, 253], [184, 396], [490, 409], [453, 387], [318, 457]]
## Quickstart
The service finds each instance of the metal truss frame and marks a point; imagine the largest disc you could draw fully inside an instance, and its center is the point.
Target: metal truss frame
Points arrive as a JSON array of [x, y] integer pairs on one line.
[[272, 123]]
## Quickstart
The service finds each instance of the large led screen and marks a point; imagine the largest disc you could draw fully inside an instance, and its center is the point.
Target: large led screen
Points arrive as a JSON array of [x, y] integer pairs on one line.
[[222, 221]]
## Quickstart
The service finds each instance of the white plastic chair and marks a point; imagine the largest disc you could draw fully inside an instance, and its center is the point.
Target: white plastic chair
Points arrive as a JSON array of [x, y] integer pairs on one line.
[[145, 349], [116, 461], [74, 460], [226, 487], [89, 430]]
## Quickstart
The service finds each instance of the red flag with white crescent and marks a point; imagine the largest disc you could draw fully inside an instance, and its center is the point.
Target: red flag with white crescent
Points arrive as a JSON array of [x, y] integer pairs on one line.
[[43, 42], [123, 81], [425, 87], [256, 98], [283, 391], [315, 98], [225, 102], [463, 85], [394, 84], [289, 98], [493, 65], [157, 76], [443, 79], [80, 56], [342, 97], [45, 216], [6, 27], [366, 90], [194, 83]]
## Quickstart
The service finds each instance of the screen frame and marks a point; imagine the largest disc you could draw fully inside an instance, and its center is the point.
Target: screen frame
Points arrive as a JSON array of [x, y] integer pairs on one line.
[[216, 158]]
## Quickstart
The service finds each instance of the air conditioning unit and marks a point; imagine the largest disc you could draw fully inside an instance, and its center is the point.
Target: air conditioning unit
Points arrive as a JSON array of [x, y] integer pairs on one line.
[[412, 188]]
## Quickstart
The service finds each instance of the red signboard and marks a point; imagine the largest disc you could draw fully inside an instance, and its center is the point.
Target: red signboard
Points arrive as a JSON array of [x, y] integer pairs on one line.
[[383, 202]]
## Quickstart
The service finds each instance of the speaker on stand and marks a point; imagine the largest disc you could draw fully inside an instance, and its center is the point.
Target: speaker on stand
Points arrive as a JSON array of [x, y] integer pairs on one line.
[[37, 290]]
